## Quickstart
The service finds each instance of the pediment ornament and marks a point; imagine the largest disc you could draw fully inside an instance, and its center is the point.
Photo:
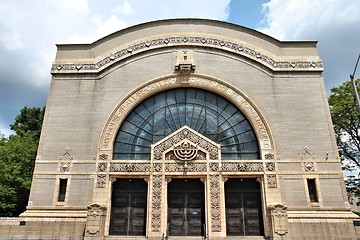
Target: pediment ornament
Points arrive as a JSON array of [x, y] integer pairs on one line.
[[186, 144]]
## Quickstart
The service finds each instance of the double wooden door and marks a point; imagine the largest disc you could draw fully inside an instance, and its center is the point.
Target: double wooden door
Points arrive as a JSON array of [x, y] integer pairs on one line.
[[186, 207], [243, 207], [128, 207]]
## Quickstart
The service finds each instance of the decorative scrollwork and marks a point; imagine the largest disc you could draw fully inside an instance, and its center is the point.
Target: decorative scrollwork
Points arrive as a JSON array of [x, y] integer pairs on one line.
[[194, 40], [270, 166], [101, 181], [102, 167], [185, 133], [269, 156], [156, 203], [215, 203], [271, 181], [129, 167], [214, 167], [157, 167], [185, 167], [242, 167]]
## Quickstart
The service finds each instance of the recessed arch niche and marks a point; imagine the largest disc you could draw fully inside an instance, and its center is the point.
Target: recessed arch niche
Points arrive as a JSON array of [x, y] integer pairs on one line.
[[199, 82]]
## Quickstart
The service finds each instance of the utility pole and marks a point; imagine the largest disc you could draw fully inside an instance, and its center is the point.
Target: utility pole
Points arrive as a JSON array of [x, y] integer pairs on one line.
[[354, 84]]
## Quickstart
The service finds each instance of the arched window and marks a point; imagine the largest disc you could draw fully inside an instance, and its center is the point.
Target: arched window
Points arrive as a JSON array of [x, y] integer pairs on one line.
[[206, 112]]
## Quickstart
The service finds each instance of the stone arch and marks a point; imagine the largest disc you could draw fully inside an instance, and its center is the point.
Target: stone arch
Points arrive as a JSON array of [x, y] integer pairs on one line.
[[239, 99]]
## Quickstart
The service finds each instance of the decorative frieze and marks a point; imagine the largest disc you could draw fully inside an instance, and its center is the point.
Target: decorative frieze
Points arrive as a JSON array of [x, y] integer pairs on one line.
[[233, 47], [185, 167], [129, 167], [242, 167]]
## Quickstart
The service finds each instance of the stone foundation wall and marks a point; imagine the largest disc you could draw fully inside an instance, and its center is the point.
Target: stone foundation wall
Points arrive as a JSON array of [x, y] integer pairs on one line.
[[45, 229], [322, 229]]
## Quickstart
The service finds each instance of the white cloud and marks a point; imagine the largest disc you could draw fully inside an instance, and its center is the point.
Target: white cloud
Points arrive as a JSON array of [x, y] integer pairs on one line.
[[334, 24], [11, 39], [123, 9], [29, 31]]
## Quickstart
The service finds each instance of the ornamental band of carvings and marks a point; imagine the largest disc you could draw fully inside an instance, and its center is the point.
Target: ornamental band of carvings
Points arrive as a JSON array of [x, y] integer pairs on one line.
[[197, 81], [185, 134], [215, 203], [309, 166], [156, 204], [129, 167], [101, 180], [180, 41], [242, 167], [185, 167], [271, 181]]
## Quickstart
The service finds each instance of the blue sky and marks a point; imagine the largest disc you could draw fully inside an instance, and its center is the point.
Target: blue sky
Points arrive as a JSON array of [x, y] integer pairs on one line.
[[29, 30]]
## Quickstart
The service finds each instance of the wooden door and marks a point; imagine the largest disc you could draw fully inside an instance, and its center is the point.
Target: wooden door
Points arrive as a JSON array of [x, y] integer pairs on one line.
[[186, 216], [128, 209], [243, 207]]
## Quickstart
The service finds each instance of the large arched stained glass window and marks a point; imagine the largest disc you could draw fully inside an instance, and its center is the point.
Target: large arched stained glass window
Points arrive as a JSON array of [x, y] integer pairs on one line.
[[207, 113]]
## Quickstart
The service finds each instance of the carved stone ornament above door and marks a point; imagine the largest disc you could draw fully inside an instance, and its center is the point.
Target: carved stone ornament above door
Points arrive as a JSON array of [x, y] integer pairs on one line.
[[186, 144]]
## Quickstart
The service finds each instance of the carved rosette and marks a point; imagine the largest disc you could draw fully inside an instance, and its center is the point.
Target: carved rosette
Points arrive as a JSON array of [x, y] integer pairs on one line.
[[156, 203], [215, 203]]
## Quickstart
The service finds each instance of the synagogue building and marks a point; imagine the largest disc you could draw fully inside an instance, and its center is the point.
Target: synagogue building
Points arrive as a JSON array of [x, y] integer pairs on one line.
[[187, 129]]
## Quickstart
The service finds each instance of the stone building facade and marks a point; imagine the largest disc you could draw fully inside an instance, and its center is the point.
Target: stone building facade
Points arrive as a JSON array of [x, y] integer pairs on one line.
[[187, 128]]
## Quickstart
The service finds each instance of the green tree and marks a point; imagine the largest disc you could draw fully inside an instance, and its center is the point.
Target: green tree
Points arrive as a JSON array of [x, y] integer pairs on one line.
[[17, 159], [346, 119]]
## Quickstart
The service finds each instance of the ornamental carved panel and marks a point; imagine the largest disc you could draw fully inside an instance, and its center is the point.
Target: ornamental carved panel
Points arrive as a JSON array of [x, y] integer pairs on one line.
[[156, 203], [184, 145], [129, 167], [242, 167], [215, 203]]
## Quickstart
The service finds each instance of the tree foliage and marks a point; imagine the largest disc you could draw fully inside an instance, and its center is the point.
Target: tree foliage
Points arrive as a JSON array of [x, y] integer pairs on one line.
[[346, 118], [17, 159]]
